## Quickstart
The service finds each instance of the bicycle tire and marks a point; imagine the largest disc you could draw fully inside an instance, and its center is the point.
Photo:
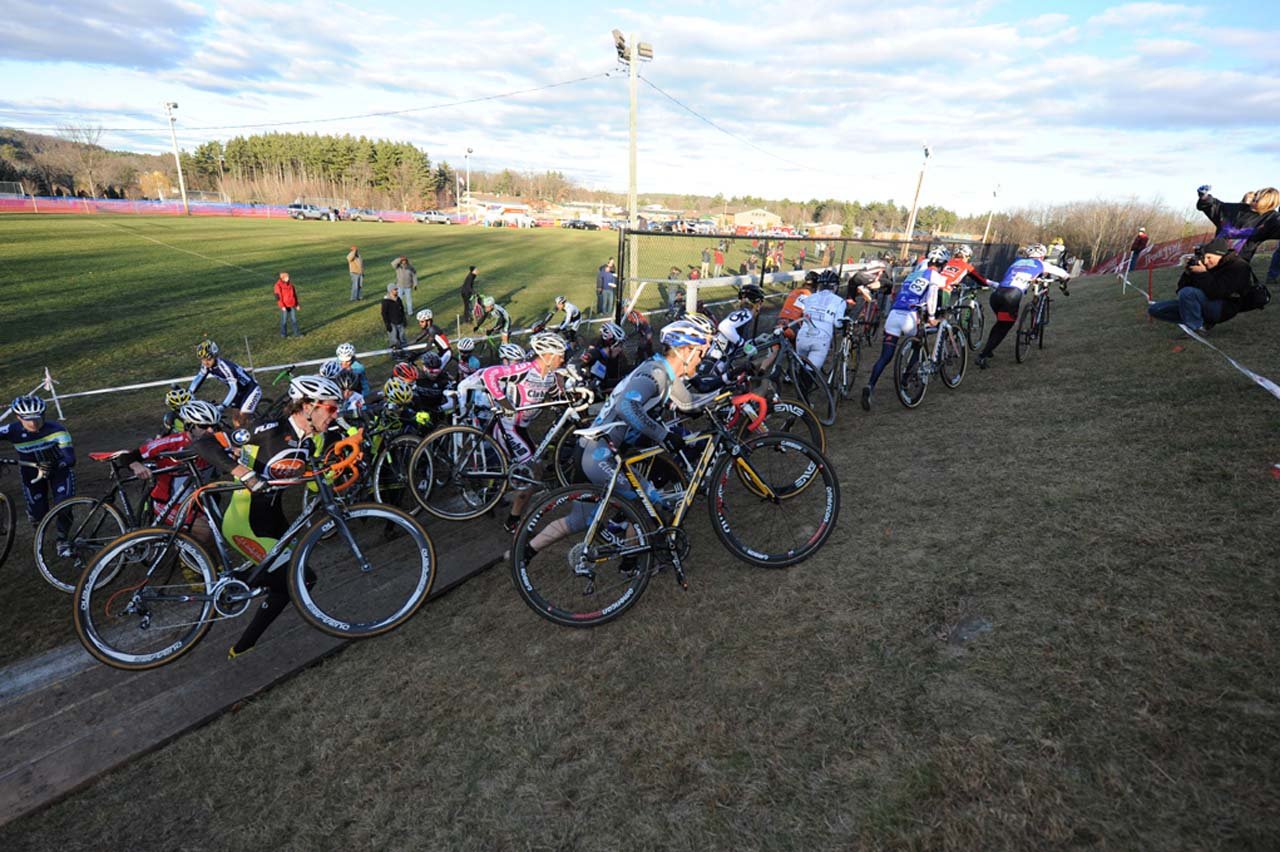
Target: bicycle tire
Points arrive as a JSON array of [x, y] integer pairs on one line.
[[813, 390], [389, 480], [1044, 321], [100, 524], [547, 582], [907, 381], [1022, 335], [849, 362], [955, 358], [8, 517], [358, 589], [974, 324], [104, 621], [734, 495], [468, 473], [564, 458], [790, 417]]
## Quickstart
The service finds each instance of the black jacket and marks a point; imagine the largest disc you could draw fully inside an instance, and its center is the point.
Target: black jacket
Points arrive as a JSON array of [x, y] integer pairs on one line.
[[392, 313], [1239, 221], [1227, 282], [469, 284]]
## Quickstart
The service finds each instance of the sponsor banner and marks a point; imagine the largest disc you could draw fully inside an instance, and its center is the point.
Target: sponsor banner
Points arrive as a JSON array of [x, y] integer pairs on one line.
[[1154, 256]]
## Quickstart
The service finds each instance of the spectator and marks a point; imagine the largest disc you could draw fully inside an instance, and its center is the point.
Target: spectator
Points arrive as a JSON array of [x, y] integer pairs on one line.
[[608, 288], [287, 300], [605, 271], [1058, 248], [1273, 271], [719, 259], [1210, 290], [752, 264], [1139, 243], [406, 281], [1253, 220], [355, 265], [705, 269], [468, 291], [393, 316]]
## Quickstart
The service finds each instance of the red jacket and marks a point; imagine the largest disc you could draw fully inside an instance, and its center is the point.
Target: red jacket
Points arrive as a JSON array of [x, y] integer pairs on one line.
[[1139, 242], [286, 295]]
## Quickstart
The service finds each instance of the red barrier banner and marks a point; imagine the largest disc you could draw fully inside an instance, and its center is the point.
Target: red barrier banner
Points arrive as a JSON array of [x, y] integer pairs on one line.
[[41, 204], [1155, 256]]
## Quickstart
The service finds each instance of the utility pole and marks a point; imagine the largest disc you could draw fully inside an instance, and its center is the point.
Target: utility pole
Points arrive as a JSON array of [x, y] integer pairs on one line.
[[632, 53], [915, 202], [990, 214], [468, 162], [169, 107]]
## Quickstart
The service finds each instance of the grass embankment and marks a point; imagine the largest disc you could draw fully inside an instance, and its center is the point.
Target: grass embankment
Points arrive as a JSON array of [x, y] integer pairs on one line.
[[1107, 507]]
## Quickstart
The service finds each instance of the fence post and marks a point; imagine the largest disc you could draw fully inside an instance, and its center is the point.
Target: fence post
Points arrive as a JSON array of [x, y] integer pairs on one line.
[[1151, 274], [49, 385]]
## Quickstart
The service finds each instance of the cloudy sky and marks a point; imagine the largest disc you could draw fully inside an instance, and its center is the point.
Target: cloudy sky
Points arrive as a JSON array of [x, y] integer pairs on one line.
[[1051, 101]]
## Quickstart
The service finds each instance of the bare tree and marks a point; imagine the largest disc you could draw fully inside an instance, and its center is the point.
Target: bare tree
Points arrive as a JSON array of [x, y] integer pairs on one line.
[[89, 157]]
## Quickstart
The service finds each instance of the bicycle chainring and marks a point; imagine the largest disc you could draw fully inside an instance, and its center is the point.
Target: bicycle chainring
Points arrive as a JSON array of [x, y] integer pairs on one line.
[[231, 597]]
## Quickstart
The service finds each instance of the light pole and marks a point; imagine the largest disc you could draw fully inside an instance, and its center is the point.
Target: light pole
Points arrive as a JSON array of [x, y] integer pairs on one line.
[[915, 202], [990, 213], [169, 107], [642, 53], [467, 160]]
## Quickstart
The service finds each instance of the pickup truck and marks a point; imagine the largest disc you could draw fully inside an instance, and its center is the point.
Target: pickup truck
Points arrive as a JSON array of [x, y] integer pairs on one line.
[[311, 211], [431, 217]]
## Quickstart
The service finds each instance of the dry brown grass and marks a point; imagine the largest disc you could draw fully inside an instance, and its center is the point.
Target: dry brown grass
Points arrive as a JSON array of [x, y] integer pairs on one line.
[[1107, 506]]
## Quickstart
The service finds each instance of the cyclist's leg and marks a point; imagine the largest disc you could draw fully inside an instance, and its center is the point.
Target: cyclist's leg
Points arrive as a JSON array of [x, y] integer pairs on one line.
[[253, 527], [899, 324], [520, 448], [36, 495], [1004, 302], [63, 483]]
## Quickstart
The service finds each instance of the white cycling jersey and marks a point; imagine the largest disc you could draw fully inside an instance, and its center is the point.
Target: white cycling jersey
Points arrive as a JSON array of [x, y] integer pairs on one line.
[[729, 333], [822, 310]]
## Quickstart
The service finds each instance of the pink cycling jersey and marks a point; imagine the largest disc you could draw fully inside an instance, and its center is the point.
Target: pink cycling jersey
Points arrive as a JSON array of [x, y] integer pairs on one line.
[[523, 382]]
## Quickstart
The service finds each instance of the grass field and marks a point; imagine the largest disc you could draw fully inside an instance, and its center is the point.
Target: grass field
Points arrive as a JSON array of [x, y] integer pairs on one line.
[[1107, 510]]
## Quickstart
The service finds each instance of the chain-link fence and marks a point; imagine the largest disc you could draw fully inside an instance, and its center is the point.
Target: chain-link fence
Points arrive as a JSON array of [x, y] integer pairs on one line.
[[667, 263]]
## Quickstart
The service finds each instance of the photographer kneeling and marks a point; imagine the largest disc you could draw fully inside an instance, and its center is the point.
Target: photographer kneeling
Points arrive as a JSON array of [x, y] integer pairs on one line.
[[1210, 289]]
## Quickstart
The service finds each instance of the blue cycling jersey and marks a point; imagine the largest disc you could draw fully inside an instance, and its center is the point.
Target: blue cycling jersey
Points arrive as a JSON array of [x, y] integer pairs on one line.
[[919, 288], [49, 444], [238, 381], [1024, 269], [634, 401]]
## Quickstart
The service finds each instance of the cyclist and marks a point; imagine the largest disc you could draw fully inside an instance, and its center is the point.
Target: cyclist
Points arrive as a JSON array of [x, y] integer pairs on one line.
[[434, 335], [243, 392], [352, 399], [174, 399], [429, 383], [821, 313], [511, 353], [468, 363], [170, 490], [568, 328], [1007, 296], [489, 309], [958, 268], [730, 333], [919, 290], [530, 382], [346, 353], [255, 517], [603, 359], [643, 331], [46, 444], [636, 406]]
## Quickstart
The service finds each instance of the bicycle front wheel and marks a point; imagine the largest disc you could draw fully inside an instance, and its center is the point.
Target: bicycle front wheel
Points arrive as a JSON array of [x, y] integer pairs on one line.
[[1043, 324], [907, 375], [955, 357], [78, 527], [8, 517], [391, 481], [1026, 327], [775, 503], [468, 473], [973, 320], [789, 417], [564, 458], [364, 573], [144, 600], [573, 579]]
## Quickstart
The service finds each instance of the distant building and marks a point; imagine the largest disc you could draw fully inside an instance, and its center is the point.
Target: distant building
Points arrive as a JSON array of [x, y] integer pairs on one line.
[[758, 218], [827, 229]]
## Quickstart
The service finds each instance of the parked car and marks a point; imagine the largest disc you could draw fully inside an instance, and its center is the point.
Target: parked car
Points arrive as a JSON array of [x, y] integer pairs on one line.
[[312, 211], [582, 225], [431, 217], [363, 214]]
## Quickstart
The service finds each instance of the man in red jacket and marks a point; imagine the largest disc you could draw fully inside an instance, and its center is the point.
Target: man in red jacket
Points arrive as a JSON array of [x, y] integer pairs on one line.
[[287, 300], [1139, 243]]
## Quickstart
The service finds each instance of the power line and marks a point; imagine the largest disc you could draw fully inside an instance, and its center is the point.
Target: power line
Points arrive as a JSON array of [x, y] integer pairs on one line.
[[465, 102]]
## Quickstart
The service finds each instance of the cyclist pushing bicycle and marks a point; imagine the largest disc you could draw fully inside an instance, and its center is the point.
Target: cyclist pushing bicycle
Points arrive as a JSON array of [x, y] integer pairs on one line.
[[920, 289], [1007, 296], [47, 457], [243, 392], [255, 517]]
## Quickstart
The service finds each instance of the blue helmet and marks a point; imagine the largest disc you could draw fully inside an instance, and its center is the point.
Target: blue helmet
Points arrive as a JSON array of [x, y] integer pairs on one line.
[[685, 333]]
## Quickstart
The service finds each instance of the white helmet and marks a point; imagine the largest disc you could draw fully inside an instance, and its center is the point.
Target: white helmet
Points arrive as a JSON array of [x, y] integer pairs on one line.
[[964, 251], [466, 344], [330, 368], [938, 254], [197, 412], [28, 406], [703, 322], [1037, 250], [685, 332], [560, 300], [346, 352], [487, 302], [547, 343], [313, 388], [612, 332], [511, 352], [426, 315]]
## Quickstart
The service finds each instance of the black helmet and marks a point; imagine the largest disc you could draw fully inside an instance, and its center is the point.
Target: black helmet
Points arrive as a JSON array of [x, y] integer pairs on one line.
[[347, 380], [751, 293], [811, 277], [432, 361], [828, 279]]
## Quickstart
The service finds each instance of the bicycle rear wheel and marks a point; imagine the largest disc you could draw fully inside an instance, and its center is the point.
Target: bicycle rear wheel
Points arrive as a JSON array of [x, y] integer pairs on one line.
[[812, 390], [365, 585], [973, 320], [776, 503], [144, 600], [85, 525], [955, 357], [907, 377], [570, 579], [790, 417], [391, 481], [468, 473], [1022, 336], [8, 517], [1044, 321]]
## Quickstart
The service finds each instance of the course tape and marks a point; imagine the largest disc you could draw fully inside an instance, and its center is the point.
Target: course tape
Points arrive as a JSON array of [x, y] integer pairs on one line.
[[1261, 381]]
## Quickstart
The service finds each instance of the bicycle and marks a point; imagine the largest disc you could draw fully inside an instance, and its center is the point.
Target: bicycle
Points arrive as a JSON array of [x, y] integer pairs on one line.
[[151, 595], [1034, 317], [596, 549], [92, 522], [970, 315], [787, 367], [8, 514], [916, 363], [846, 352]]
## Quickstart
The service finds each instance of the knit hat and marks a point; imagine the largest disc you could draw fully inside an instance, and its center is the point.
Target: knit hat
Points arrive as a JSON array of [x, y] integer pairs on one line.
[[1218, 246]]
